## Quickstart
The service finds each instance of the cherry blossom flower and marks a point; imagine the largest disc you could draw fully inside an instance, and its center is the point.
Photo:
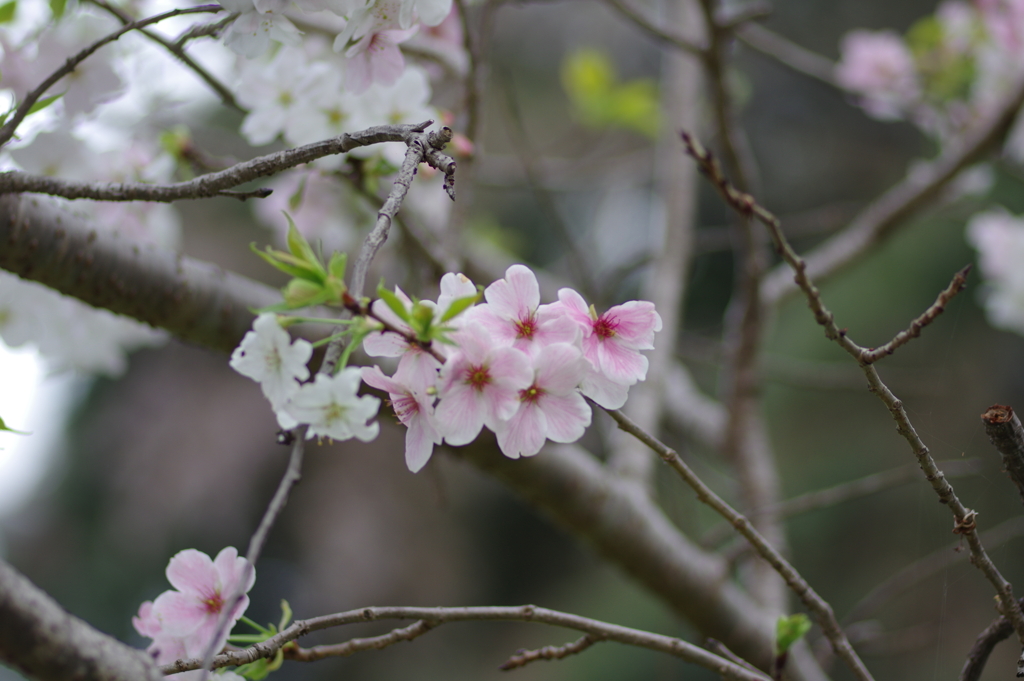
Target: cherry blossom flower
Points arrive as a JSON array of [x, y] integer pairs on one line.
[[551, 408], [513, 315], [999, 239], [612, 342], [413, 403], [375, 58], [268, 355], [258, 21], [879, 66], [333, 409], [164, 648], [190, 614], [480, 385]]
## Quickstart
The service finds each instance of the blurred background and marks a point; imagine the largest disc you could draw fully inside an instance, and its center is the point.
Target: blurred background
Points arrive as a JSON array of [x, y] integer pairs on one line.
[[119, 475]]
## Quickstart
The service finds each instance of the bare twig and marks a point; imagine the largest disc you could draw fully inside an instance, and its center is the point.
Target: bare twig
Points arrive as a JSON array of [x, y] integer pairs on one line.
[[598, 631], [525, 657], [987, 640], [651, 28], [7, 131], [964, 519], [211, 184], [821, 610], [958, 284], [1007, 436], [880, 218], [293, 652], [788, 53], [204, 30], [177, 50]]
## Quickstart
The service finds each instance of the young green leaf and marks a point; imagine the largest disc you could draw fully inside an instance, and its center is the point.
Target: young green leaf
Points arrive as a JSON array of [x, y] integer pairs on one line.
[[459, 305], [336, 267], [44, 102], [58, 7], [297, 243], [3, 426], [7, 11], [789, 630], [393, 302]]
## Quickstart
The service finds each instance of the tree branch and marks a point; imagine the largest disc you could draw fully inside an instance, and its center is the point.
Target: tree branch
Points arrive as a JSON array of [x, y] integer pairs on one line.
[[358, 644], [596, 630], [816, 604], [880, 219], [992, 635], [213, 184], [1007, 436], [194, 300], [43, 641], [964, 519], [525, 657], [788, 53]]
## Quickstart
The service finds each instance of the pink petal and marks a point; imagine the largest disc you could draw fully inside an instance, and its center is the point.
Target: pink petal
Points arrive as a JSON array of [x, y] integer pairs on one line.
[[386, 63], [635, 322], [605, 392], [419, 442], [232, 569], [524, 433], [517, 295], [418, 370], [560, 368], [621, 364], [192, 572], [179, 614], [460, 415], [375, 378], [567, 416]]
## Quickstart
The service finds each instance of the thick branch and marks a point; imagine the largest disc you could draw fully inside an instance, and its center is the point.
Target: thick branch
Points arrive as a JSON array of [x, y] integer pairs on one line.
[[987, 640], [211, 184], [1007, 436], [195, 300], [43, 641], [599, 631], [881, 218]]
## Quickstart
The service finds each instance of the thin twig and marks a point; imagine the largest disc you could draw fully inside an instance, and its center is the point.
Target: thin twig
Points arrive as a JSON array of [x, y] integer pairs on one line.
[[7, 131], [292, 652], [597, 630], [292, 475], [958, 284], [211, 184], [1007, 436], [992, 635], [651, 28], [525, 657], [964, 519], [788, 53], [820, 608], [222, 90]]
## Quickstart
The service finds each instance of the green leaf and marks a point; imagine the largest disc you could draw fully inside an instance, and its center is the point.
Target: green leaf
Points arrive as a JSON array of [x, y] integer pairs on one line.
[[44, 102], [254, 671], [3, 426], [336, 267], [298, 245], [57, 7], [600, 101], [286, 615], [304, 293], [289, 264], [393, 301], [295, 200], [7, 11], [459, 305], [789, 630]]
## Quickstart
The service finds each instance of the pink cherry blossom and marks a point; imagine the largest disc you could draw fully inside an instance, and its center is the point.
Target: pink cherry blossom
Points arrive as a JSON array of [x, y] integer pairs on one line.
[[414, 406], [203, 588], [513, 316], [879, 66], [480, 385], [551, 408], [164, 648], [612, 343], [375, 58]]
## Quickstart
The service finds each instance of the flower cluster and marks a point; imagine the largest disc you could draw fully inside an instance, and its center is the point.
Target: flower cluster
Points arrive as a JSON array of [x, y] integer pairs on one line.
[[945, 74], [512, 365], [329, 405], [183, 622]]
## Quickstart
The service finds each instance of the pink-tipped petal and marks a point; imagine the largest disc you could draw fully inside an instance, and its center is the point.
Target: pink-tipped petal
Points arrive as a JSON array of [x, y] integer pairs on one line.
[[191, 572], [567, 417]]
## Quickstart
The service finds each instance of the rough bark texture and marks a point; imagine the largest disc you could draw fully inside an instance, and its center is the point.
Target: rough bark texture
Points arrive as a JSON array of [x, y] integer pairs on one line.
[[194, 300], [43, 641], [1007, 436]]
